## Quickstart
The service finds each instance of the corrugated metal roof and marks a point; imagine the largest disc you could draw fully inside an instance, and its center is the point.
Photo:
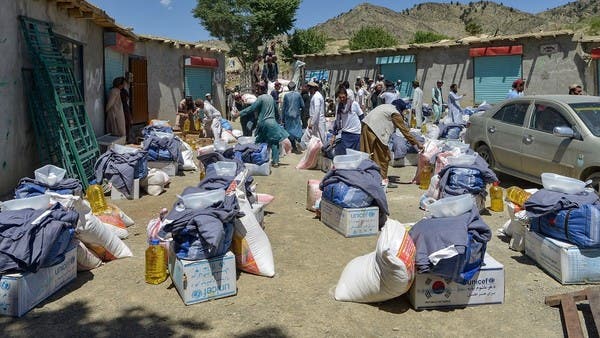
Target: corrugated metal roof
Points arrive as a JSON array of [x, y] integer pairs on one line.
[[86, 10], [469, 40]]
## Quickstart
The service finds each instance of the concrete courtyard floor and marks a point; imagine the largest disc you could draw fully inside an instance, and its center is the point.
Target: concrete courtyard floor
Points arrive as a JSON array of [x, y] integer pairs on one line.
[[114, 300]]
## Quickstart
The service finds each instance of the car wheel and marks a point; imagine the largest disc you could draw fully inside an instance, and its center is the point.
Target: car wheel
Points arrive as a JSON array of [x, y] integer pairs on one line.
[[595, 177], [486, 153]]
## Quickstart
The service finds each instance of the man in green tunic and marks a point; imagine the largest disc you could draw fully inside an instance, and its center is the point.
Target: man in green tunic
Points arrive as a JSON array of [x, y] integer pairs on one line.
[[268, 130]]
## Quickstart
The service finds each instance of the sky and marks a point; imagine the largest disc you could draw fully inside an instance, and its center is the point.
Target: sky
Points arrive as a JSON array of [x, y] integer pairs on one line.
[[173, 18]]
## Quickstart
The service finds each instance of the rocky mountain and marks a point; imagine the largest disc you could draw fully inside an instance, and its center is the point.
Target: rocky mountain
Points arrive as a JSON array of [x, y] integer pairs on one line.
[[451, 19]]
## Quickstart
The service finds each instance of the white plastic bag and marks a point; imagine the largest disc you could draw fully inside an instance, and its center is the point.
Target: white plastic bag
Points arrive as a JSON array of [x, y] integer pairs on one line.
[[188, 157], [154, 183], [250, 244], [258, 170], [386, 273]]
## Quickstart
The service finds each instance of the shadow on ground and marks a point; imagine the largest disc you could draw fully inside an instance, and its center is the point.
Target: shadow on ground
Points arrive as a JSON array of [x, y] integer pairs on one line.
[[74, 320]]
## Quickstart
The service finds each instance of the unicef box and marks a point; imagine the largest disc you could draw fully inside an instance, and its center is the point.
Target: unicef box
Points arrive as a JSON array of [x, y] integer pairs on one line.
[[20, 292], [203, 280], [487, 287], [353, 222], [567, 263]]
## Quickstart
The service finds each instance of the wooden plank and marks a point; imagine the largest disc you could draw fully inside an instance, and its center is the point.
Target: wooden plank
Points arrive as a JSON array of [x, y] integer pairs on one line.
[[571, 317], [593, 296], [577, 296]]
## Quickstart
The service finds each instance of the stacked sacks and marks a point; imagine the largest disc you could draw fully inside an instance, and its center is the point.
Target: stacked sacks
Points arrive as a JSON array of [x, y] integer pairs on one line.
[[311, 156], [453, 242], [155, 182], [386, 273], [358, 187], [100, 235]]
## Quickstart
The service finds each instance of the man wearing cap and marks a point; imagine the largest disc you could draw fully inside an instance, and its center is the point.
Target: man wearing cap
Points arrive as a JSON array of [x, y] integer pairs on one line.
[[389, 95], [517, 89], [377, 128], [575, 89], [417, 103], [437, 100], [208, 98], [211, 119], [268, 130], [292, 115], [316, 122]]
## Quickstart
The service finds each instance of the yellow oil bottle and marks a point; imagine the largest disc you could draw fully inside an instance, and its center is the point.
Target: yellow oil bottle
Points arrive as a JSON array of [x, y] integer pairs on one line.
[[517, 195], [95, 195], [496, 195], [425, 177], [156, 263]]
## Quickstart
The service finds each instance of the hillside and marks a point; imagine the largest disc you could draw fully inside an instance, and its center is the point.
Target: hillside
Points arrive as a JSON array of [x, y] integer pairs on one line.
[[573, 12], [450, 19]]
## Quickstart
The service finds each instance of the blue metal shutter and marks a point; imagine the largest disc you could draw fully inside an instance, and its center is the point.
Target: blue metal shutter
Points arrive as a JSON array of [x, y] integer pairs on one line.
[[494, 76], [113, 67], [399, 67], [198, 82]]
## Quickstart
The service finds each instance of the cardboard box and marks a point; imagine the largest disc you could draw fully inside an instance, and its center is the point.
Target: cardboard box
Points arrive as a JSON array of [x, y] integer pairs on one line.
[[203, 280], [487, 287], [353, 222], [409, 160], [170, 168], [20, 292], [567, 263], [117, 195]]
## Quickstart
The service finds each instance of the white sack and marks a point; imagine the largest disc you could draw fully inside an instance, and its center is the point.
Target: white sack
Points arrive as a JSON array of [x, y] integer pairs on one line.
[[381, 275], [188, 157], [86, 259], [258, 170], [250, 244]]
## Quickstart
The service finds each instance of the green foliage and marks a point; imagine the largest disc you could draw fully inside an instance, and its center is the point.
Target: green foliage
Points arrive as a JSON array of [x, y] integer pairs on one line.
[[246, 24], [473, 28], [424, 37], [594, 26], [372, 37], [303, 41]]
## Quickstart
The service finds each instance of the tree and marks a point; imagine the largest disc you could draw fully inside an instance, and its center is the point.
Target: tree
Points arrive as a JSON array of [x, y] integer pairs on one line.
[[246, 24], [372, 37], [473, 28], [303, 41], [424, 37]]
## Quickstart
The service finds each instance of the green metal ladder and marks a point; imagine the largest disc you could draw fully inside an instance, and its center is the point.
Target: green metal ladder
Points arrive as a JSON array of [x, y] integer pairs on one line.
[[66, 136]]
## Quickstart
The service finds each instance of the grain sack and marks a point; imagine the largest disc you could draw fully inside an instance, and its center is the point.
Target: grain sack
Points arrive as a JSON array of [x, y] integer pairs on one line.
[[313, 194], [311, 156], [386, 273], [86, 259], [250, 244]]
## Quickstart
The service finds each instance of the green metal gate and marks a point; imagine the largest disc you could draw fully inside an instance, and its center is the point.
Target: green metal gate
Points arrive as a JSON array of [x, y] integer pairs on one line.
[[494, 76], [64, 133], [399, 67], [198, 82]]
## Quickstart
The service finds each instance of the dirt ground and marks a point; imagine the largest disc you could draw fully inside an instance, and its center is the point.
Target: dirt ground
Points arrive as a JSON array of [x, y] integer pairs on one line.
[[114, 301]]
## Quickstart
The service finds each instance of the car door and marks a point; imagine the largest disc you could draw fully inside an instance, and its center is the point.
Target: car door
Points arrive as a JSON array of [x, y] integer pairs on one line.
[[542, 150], [504, 132]]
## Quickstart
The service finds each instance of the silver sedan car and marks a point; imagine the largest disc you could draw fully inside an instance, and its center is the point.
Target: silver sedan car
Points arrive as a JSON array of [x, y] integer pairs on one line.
[[530, 135]]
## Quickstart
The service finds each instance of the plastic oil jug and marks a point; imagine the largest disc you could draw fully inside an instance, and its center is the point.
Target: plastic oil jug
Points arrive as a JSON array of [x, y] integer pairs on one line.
[[517, 195], [186, 125], [197, 124], [156, 263], [413, 121], [425, 177], [202, 170], [95, 195], [496, 194]]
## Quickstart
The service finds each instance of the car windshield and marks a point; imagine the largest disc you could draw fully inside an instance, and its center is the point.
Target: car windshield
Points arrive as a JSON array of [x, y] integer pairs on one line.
[[589, 113]]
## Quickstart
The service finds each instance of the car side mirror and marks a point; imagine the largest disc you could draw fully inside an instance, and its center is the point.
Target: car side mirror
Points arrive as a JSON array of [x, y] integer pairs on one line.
[[563, 132]]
